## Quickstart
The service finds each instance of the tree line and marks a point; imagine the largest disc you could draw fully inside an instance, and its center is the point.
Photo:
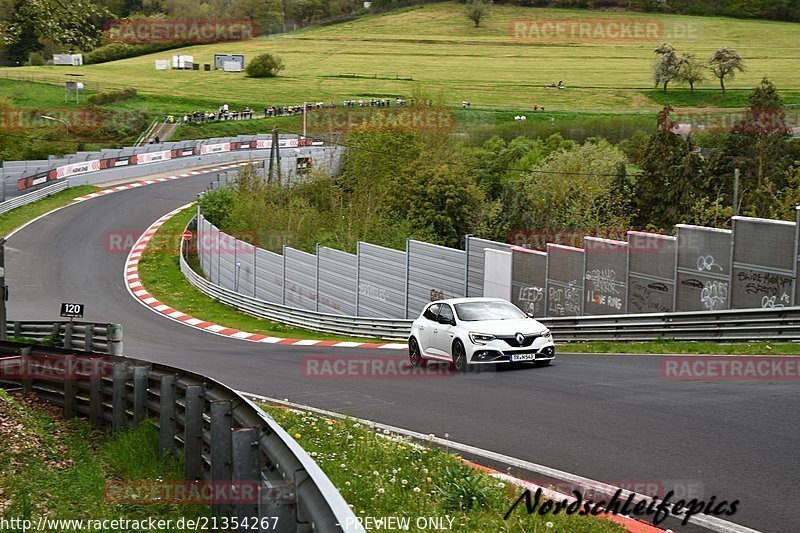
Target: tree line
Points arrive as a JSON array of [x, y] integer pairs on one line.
[[43, 27], [788, 10]]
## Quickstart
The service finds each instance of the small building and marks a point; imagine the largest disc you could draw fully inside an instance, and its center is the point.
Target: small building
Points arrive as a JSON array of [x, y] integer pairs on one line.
[[220, 61], [70, 60]]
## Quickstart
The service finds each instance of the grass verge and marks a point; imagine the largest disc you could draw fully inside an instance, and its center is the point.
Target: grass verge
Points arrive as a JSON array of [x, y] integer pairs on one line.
[[385, 475], [684, 347], [160, 273], [56, 468], [19, 216]]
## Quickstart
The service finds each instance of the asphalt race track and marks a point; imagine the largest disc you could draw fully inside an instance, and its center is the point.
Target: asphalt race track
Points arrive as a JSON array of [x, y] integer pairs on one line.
[[609, 418]]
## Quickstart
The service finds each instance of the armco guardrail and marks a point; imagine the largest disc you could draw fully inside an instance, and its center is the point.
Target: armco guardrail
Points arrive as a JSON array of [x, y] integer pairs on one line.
[[742, 325], [84, 336], [733, 325], [223, 437], [36, 195]]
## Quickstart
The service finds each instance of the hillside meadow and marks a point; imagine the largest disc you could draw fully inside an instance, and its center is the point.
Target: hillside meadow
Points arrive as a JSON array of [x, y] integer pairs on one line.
[[492, 66]]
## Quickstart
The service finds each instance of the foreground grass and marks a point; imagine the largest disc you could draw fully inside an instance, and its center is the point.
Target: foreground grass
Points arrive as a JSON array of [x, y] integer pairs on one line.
[[684, 347], [383, 475], [19, 216], [60, 468], [160, 273], [436, 45]]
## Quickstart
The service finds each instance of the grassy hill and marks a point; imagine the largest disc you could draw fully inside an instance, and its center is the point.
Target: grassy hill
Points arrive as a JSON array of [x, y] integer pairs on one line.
[[436, 45]]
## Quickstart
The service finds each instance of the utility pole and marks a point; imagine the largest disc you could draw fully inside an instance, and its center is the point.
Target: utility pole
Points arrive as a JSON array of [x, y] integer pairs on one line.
[[735, 192], [3, 289], [273, 146]]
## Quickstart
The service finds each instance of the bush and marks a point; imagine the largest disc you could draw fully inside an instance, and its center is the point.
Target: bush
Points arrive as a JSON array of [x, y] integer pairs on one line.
[[35, 59], [109, 97], [114, 51], [264, 66]]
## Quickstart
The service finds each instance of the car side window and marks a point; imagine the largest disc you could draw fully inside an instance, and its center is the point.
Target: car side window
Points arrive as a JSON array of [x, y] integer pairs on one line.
[[446, 312], [431, 312]]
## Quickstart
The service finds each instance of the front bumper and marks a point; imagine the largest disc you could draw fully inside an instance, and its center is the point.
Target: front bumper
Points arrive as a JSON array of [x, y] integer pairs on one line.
[[488, 354]]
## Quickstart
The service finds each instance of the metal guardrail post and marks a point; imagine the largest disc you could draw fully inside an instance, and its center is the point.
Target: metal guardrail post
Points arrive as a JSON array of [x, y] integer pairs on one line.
[[139, 394], [17, 329], [27, 380], [245, 467], [166, 417], [88, 338], [99, 368], [70, 386], [221, 450], [114, 335], [68, 336], [193, 433], [119, 375], [56, 331]]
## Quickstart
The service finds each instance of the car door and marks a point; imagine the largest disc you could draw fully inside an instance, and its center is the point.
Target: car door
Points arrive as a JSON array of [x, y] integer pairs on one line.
[[443, 332], [427, 327]]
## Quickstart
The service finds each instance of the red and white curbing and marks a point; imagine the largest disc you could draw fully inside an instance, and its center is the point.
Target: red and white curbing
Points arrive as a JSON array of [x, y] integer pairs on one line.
[[140, 293], [125, 187]]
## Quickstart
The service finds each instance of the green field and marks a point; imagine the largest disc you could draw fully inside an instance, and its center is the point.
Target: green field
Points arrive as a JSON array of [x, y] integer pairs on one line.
[[436, 46]]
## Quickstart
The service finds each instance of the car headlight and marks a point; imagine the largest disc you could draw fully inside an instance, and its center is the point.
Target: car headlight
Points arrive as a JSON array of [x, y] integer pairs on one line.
[[547, 335], [480, 338]]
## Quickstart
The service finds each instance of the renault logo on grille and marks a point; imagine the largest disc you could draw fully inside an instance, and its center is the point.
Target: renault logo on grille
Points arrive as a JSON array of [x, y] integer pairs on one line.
[[520, 338]]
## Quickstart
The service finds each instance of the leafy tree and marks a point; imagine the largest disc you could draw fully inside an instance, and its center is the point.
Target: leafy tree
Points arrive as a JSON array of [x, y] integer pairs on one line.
[[691, 71], [572, 188], [441, 201], [790, 199], [671, 176], [73, 25], [477, 11], [264, 66], [268, 12], [306, 10], [667, 65], [724, 63]]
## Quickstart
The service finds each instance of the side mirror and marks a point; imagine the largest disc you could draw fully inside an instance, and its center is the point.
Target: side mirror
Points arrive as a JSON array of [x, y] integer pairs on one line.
[[530, 314], [446, 321]]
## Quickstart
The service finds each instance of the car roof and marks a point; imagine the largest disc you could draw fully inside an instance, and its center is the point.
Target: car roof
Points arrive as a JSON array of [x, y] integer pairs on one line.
[[466, 300]]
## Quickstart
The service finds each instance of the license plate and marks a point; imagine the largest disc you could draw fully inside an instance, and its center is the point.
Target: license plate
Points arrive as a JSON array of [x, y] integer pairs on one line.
[[523, 357]]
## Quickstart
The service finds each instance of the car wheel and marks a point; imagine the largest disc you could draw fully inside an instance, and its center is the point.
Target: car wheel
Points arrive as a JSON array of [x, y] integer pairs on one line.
[[459, 357], [415, 354]]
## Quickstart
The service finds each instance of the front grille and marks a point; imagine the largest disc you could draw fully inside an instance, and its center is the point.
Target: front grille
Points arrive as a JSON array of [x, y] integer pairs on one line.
[[511, 340]]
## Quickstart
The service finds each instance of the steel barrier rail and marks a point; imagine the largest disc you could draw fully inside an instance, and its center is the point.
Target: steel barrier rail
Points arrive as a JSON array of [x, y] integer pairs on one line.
[[84, 336], [733, 325], [222, 436], [34, 196]]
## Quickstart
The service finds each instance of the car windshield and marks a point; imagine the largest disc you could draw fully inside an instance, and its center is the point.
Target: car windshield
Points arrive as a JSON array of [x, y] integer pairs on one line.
[[474, 311]]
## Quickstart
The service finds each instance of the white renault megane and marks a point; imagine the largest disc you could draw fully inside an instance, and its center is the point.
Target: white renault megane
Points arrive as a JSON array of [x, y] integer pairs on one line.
[[465, 331]]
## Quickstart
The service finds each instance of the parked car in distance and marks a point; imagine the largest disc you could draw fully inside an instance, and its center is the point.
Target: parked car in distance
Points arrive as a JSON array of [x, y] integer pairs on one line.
[[471, 331]]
